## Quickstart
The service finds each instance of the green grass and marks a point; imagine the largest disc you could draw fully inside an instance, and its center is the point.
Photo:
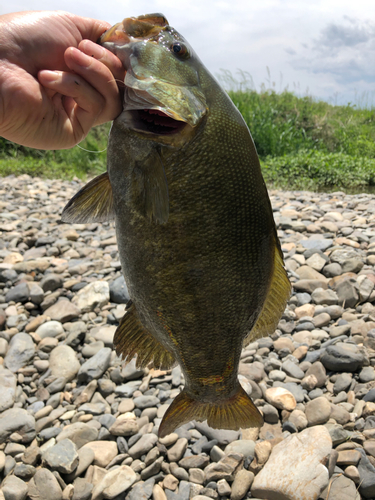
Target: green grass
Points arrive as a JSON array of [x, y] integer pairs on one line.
[[302, 143], [317, 170], [89, 158]]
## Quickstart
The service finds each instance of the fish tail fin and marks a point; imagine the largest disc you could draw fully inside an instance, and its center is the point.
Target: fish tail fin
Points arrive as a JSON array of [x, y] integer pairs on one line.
[[238, 411]]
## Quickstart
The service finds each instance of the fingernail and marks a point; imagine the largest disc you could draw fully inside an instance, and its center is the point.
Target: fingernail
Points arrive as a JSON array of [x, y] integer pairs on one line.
[[49, 76], [80, 58], [92, 49]]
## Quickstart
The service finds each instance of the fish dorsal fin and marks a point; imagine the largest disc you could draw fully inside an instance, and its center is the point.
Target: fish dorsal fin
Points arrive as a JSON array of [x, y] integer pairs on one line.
[[149, 189], [131, 338], [238, 411], [275, 303], [93, 203]]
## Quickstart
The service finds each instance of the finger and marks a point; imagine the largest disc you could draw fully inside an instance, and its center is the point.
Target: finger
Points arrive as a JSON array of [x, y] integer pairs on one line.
[[100, 78], [106, 57], [90, 28], [88, 104]]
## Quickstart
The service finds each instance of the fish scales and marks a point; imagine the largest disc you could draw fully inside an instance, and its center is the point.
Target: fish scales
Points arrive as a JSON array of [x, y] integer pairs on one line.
[[194, 225]]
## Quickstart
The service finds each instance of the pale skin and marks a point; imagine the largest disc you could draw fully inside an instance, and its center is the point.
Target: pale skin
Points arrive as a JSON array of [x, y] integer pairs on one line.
[[55, 81]]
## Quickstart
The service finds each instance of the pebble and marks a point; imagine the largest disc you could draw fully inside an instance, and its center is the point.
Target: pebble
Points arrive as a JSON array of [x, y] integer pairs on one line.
[[318, 411], [62, 457], [50, 329], [63, 362], [44, 486], [8, 384], [295, 468], [104, 452], [281, 398], [21, 350], [95, 366], [115, 482]]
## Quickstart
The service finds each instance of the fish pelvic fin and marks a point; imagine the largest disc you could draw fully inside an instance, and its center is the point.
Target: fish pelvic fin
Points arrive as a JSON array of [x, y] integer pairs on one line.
[[149, 189], [131, 338], [238, 411], [275, 303], [93, 203]]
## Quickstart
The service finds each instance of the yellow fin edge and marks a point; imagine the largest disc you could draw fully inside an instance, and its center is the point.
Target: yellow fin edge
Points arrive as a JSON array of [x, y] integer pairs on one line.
[[234, 413], [275, 303]]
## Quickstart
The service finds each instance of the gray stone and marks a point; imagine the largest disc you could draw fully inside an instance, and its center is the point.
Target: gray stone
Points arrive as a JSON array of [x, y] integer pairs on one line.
[[17, 420], [367, 374], [302, 474], [270, 414], [62, 457], [342, 488], [105, 334], [44, 486], [176, 452], [194, 461], [338, 433], [63, 362], [317, 244], [146, 401], [241, 484], [50, 329], [328, 297], [342, 357], [222, 436], [142, 446], [79, 433], [36, 294], [347, 293], [19, 293], [24, 471], [63, 311], [337, 331], [51, 282], [21, 350], [14, 488], [367, 476], [119, 291], [131, 372], [8, 384], [95, 366], [342, 383], [243, 446], [318, 411], [292, 369], [95, 294], [82, 489]]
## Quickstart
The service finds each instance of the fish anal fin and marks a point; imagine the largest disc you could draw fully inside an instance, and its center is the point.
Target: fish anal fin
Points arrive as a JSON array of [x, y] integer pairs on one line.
[[93, 203], [150, 189], [131, 338], [236, 412], [275, 303]]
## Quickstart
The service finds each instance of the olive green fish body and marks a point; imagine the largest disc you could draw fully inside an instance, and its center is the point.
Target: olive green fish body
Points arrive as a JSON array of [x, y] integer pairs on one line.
[[196, 237]]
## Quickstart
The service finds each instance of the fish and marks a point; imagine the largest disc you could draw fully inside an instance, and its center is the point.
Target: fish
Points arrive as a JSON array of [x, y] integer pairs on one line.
[[197, 240]]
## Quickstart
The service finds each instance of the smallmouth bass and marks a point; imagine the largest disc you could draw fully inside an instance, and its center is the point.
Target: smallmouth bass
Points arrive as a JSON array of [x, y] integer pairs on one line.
[[195, 230]]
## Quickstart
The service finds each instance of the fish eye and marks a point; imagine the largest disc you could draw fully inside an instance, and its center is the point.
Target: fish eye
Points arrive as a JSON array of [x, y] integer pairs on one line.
[[180, 50]]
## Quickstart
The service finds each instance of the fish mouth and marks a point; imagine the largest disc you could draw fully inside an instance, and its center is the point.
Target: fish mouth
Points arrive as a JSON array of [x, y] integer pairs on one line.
[[154, 121]]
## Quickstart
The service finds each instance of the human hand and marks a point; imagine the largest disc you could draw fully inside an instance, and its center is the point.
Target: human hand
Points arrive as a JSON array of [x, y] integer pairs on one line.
[[55, 82]]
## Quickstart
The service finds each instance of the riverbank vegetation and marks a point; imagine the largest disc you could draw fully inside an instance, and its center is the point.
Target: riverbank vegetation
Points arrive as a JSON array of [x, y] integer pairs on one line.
[[303, 143]]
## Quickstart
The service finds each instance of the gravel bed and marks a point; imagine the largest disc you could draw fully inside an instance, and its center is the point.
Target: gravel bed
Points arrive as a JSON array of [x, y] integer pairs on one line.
[[75, 423]]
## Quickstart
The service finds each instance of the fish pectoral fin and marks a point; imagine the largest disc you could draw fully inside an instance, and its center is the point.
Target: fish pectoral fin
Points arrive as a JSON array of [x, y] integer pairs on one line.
[[150, 189], [275, 303], [93, 203], [234, 413], [131, 338]]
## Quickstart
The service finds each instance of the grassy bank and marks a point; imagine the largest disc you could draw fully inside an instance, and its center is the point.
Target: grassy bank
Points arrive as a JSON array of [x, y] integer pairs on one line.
[[87, 159], [302, 143]]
